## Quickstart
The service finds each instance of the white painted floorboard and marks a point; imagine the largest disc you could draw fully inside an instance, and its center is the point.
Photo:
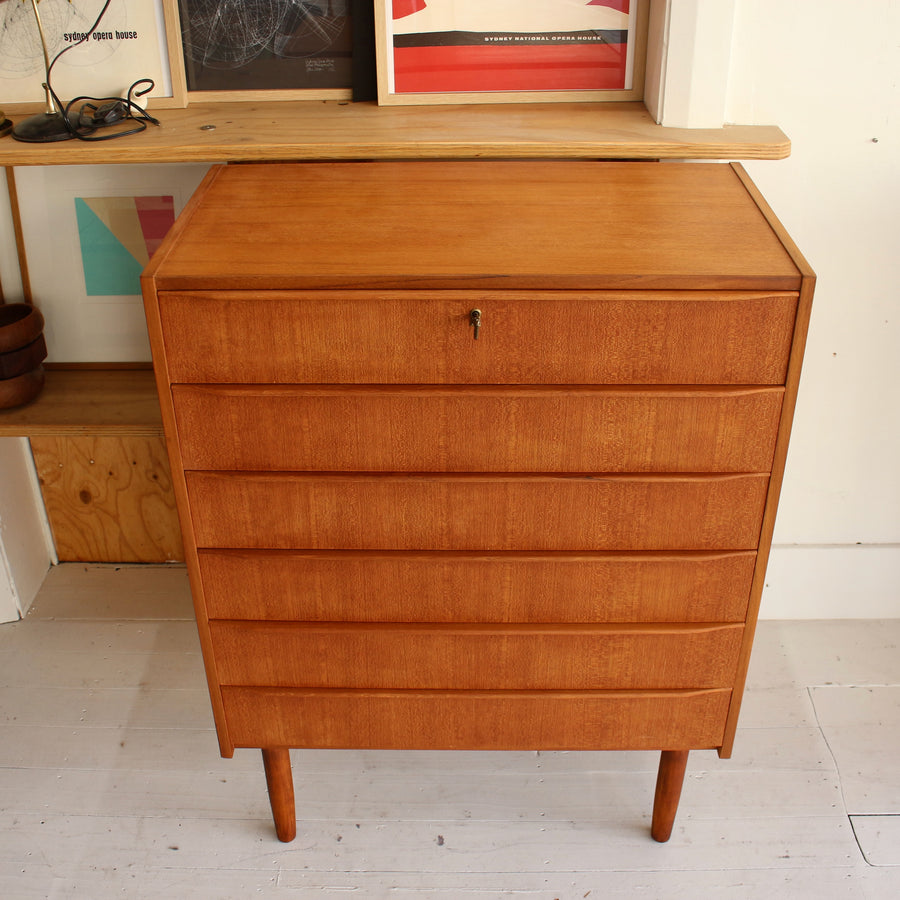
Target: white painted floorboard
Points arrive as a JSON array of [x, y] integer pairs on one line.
[[111, 784]]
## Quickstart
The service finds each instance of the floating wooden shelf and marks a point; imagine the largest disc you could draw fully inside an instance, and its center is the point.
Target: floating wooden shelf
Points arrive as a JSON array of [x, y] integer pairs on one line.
[[95, 402], [286, 130]]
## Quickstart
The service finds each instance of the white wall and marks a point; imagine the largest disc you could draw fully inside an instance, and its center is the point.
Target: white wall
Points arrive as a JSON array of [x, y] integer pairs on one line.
[[831, 83], [26, 550]]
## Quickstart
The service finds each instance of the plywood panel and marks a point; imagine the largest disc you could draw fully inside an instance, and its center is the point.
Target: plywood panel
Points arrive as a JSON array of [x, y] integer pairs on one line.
[[109, 499]]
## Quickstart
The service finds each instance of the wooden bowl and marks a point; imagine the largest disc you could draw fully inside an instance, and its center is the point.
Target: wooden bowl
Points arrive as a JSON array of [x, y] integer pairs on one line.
[[20, 324], [25, 359], [21, 389]]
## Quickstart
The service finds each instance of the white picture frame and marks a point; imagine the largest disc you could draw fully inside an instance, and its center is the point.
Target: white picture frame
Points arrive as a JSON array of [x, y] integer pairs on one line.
[[78, 327]]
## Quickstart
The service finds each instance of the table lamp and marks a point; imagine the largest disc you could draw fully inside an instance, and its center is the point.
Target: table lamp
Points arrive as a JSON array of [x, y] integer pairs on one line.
[[49, 125]]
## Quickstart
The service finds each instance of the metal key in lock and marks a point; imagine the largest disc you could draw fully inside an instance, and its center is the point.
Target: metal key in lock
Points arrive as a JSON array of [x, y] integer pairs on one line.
[[475, 321]]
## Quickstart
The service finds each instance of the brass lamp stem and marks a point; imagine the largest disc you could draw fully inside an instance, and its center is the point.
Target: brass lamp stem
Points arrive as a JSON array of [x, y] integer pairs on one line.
[[51, 109]]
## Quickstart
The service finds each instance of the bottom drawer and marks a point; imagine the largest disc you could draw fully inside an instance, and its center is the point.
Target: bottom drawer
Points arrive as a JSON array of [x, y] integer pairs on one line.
[[470, 720]]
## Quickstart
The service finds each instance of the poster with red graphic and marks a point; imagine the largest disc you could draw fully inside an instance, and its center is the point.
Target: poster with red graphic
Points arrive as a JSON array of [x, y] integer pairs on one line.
[[474, 46]]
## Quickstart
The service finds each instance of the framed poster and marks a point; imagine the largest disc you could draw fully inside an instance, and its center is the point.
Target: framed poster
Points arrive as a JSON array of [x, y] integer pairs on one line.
[[128, 44], [260, 49], [88, 232], [471, 51]]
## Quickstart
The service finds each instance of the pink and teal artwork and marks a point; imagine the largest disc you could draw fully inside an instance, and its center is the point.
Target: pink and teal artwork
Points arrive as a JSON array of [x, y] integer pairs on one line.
[[118, 236]]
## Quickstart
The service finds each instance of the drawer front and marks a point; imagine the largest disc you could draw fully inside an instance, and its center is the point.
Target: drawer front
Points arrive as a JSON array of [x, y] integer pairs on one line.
[[465, 720], [359, 586], [475, 657], [476, 429], [411, 338], [384, 512]]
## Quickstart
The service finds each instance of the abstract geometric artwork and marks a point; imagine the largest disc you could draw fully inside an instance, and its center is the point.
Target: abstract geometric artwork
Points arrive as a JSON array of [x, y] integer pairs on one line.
[[118, 235]]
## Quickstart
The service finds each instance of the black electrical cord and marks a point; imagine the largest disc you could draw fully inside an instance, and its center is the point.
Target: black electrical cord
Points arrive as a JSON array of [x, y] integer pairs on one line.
[[116, 108]]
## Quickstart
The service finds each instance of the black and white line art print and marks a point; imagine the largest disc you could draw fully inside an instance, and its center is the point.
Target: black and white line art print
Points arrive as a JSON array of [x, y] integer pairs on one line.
[[240, 45]]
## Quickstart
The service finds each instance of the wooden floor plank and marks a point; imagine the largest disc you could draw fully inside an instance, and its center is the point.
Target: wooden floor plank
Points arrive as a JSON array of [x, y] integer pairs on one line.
[[120, 593], [109, 761], [396, 845], [879, 839], [837, 651], [862, 728], [86, 669], [136, 707], [152, 883]]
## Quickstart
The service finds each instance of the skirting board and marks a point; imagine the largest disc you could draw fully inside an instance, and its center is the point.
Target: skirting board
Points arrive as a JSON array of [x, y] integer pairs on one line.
[[859, 581]]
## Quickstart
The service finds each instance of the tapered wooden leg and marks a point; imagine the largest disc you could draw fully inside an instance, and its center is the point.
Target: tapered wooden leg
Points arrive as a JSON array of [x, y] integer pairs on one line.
[[672, 764], [280, 782]]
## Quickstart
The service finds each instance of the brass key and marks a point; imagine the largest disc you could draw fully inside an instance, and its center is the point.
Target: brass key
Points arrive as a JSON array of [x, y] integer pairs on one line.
[[475, 321]]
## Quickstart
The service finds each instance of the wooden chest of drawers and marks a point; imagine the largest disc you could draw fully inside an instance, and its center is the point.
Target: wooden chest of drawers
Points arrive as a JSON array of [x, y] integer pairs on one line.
[[477, 454]]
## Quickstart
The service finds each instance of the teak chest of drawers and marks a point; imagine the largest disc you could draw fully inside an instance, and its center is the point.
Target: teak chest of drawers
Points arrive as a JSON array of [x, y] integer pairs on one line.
[[477, 454]]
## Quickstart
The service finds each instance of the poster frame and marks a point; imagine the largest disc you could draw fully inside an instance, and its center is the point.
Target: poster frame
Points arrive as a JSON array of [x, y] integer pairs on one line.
[[388, 96]]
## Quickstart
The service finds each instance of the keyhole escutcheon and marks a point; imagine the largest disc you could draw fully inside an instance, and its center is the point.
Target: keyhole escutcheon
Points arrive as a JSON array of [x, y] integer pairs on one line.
[[475, 322]]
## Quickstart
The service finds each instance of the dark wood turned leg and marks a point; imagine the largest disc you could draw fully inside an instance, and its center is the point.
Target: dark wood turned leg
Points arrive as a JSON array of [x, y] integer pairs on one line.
[[672, 764], [280, 782]]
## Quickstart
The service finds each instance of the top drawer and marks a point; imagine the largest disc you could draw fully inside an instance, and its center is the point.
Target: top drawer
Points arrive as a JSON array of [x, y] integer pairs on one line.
[[369, 337]]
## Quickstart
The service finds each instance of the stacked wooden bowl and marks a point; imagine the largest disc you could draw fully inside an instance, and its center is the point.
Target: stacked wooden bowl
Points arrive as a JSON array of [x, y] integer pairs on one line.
[[22, 350]]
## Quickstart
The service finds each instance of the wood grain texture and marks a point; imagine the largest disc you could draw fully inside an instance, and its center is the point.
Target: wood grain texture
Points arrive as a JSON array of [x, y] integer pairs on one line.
[[108, 499], [98, 402], [476, 657], [497, 543], [669, 780], [18, 233], [515, 225], [792, 384], [476, 429], [465, 720], [372, 512], [564, 338], [280, 784], [299, 130], [467, 587]]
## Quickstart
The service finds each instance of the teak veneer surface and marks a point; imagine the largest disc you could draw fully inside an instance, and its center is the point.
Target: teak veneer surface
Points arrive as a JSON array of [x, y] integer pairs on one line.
[[485, 512], [476, 657], [473, 720], [479, 429], [514, 225], [553, 536], [410, 337], [360, 586]]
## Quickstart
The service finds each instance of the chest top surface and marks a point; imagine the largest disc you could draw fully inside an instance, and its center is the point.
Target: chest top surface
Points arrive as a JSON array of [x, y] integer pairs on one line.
[[477, 224]]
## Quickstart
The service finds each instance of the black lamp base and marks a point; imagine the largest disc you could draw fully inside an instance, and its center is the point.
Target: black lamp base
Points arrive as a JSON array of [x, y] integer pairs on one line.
[[46, 127]]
